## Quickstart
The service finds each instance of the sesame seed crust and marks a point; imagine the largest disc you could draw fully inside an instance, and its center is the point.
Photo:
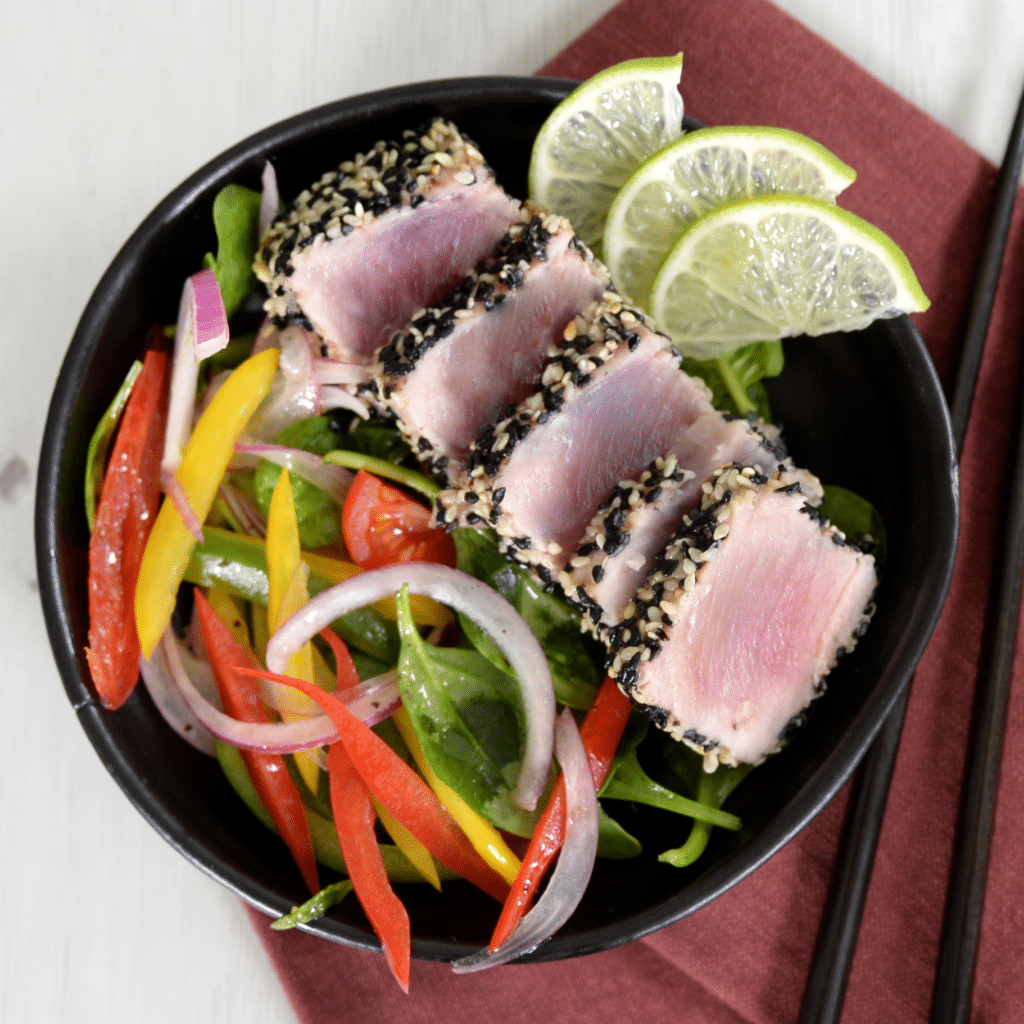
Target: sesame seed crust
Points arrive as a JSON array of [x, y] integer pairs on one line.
[[589, 341], [390, 175], [646, 625], [633, 510], [524, 249]]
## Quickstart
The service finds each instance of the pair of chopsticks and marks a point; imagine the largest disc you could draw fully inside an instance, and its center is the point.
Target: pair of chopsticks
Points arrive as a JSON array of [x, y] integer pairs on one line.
[[837, 936]]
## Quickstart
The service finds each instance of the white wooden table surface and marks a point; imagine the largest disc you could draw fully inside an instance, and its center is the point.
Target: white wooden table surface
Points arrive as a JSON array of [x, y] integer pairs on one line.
[[104, 107]]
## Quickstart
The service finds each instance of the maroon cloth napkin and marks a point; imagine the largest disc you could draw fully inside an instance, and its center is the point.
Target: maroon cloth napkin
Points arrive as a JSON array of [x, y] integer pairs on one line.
[[744, 958]]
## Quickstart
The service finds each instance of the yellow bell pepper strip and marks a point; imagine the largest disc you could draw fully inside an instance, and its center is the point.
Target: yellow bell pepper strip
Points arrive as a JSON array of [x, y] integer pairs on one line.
[[202, 466], [402, 791], [230, 614], [352, 806], [229, 660], [260, 629], [416, 853], [486, 839], [287, 593]]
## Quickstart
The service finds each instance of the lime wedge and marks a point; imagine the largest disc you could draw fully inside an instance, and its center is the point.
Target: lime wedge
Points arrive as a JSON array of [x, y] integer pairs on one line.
[[778, 266], [597, 136], [697, 173]]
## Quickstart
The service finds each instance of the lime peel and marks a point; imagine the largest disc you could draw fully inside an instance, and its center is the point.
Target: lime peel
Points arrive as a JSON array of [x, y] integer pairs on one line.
[[775, 267], [596, 137], [699, 172]]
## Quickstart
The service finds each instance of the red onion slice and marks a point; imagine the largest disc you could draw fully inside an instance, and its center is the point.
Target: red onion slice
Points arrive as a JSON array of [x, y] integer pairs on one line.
[[333, 480], [294, 393], [575, 860], [245, 512], [333, 371], [156, 677], [209, 320], [270, 200], [202, 330], [338, 398], [173, 489], [272, 737], [372, 701], [266, 337], [471, 597]]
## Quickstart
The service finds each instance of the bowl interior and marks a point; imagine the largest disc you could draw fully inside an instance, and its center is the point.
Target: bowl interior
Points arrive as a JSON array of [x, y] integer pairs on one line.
[[864, 411]]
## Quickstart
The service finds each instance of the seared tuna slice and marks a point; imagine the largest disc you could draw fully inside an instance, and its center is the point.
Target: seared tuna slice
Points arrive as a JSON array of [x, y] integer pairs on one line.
[[459, 365], [745, 613], [388, 233], [636, 523], [607, 404]]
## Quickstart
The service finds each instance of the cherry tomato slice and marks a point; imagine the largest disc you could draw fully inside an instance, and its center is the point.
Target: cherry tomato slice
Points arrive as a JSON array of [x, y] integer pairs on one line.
[[383, 526]]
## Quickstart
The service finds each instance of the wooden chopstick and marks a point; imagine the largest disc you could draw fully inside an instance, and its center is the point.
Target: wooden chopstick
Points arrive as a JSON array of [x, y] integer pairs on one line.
[[851, 875]]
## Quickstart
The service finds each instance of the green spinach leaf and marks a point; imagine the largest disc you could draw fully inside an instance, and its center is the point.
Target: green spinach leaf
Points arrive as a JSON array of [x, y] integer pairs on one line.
[[236, 214], [711, 789], [735, 378], [317, 512], [555, 623], [628, 781], [858, 519], [469, 719]]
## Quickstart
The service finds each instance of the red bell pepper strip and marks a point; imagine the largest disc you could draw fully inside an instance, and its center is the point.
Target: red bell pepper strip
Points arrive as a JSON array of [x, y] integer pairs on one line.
[[354, 817], [402, 791], [127, 508], [346, 673], [240, 697], [601, 732]]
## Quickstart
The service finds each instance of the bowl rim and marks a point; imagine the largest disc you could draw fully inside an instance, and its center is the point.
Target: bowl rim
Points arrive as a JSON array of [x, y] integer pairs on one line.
[[813, 796]]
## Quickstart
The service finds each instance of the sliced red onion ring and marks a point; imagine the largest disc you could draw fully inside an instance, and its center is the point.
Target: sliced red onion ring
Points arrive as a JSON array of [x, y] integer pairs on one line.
[[471, 597], [266, 337], [173, 489], [202, 330], [575, 860], [333, 371], [156, 677], [294, 393], [338, 398], [198, 669], [372, 702], [333, 480], [270, 201], [217, 381], [208, 318], [271, 737], [245, 512]]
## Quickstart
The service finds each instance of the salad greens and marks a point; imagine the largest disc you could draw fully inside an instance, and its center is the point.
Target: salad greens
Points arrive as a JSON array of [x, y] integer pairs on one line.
[[236, 214], [554, 622], [469, 721], [735, 378], [317, 512], [99, 444]]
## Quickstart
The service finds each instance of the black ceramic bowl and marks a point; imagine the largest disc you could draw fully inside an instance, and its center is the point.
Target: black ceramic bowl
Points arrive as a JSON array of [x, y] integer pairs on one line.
[[864, 411]]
